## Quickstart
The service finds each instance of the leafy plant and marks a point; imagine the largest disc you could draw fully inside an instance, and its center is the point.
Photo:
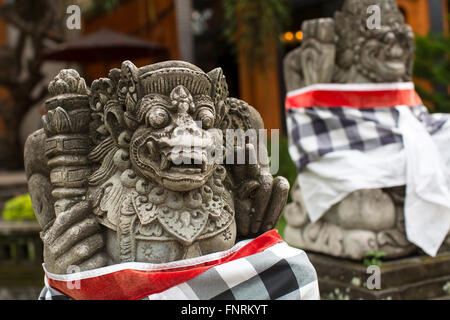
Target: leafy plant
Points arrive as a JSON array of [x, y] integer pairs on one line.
[[432, 63], [281, 225], [288, 170], [251, 24], [98, 7], [18, 209], [373, 258], [287, 167]]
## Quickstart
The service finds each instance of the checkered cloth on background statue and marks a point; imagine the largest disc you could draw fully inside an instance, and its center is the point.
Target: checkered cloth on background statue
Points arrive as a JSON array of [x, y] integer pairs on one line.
[[373, 163]]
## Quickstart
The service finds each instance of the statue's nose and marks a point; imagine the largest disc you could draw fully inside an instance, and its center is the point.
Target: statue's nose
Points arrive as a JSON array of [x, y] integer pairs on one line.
[[192, 130], [396, 51]]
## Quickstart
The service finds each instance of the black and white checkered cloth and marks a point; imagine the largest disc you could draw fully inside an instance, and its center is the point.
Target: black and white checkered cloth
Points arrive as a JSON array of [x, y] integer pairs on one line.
[[277, 273], [349, 137], [316, 131]]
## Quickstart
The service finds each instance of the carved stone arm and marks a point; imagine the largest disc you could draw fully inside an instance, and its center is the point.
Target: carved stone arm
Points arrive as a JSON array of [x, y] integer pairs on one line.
[[259, 197], [57, 170], [314, 61]]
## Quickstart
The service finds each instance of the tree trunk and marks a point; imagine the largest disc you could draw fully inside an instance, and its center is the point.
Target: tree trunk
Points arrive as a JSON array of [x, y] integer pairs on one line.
[[13, 148], [11, 137], [12, 116]]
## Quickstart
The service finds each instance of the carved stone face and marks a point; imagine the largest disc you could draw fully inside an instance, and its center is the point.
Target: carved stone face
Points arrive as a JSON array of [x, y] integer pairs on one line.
[[386, 53], [176, 140]]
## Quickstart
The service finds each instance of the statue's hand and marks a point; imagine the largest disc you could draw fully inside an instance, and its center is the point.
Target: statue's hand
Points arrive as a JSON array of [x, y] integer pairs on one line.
[[74, 240], [318, 50], [314, 61], [292, 70], [259, 197]]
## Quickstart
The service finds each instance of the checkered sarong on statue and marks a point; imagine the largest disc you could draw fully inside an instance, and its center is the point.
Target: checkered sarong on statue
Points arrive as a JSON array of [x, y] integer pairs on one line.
[[322, 120], [349, 137], [262, 268]]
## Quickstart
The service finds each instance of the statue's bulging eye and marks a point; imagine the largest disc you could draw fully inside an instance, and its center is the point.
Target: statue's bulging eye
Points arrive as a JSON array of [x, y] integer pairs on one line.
[[389, 38], [157, 117], [206, 116]]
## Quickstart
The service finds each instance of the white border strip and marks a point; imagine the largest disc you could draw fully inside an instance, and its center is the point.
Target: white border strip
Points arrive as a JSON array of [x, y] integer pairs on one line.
[[353, 87], [144, 266]]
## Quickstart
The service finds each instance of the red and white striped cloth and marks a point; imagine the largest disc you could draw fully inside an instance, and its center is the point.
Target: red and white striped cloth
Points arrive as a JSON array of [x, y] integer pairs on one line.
[[260, 268]]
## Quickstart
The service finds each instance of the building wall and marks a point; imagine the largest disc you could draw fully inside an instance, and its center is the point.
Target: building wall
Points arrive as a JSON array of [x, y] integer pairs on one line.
[[153, 20], [4, 95], [259, 86], [416, 14]]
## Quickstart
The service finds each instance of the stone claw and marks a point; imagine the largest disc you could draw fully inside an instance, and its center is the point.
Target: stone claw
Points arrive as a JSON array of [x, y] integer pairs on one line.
[[260, 211], [74, 239]]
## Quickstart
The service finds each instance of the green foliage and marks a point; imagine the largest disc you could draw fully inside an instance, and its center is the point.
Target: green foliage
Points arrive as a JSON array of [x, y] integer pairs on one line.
[[287, 167], [98, 7], [373, 258], [249, 24], [288, 170], [18, 209], [432, 62], [281, 225]]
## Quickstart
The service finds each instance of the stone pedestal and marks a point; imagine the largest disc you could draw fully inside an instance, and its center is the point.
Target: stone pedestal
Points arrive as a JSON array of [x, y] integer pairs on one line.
[[419, 277]]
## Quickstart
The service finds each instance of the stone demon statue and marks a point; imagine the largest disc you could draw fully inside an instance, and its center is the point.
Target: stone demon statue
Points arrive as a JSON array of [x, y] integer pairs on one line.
[[122, 171], [345, 50]]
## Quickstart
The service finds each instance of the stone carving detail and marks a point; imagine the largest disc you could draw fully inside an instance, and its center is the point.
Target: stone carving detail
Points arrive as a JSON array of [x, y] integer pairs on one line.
[[366, 220], [129, 164], [343, 50]]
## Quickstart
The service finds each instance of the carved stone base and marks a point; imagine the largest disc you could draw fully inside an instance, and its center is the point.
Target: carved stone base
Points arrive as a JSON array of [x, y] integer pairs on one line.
[[327, 238], [418, 277]]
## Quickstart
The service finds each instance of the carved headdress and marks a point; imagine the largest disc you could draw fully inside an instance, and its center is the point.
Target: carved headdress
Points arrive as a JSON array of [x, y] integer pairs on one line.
[[125, 87], [355, 29]]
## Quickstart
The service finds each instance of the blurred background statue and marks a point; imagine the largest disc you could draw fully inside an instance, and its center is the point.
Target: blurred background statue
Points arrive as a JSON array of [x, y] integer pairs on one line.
[[349, 198]]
